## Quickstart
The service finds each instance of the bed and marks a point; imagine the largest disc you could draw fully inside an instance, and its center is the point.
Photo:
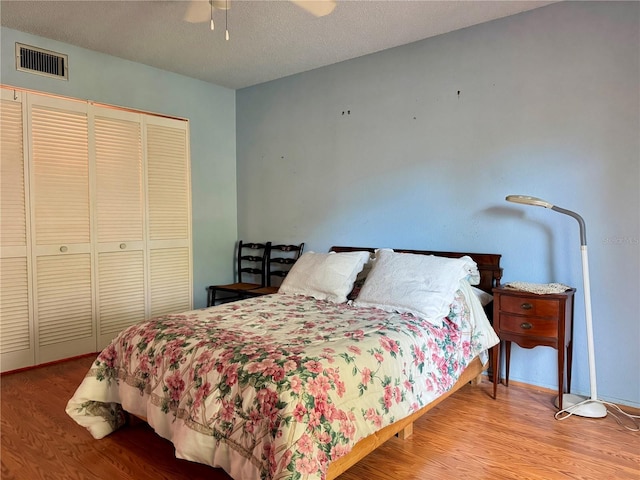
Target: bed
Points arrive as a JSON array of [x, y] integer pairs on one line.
[[305, 382]]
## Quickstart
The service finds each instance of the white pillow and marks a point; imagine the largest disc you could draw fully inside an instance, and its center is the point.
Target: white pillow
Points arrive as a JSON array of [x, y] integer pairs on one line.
[[423, 285], [324, 276], [484, 297]]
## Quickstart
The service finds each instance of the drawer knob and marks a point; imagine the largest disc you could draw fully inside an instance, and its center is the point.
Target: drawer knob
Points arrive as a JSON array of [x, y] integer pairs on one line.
[[63, 248], [123, 246], [526, 306], [526, 326]]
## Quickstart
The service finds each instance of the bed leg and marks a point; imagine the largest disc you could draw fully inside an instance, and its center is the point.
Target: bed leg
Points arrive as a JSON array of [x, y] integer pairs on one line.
[[477, 380], [406, 432]]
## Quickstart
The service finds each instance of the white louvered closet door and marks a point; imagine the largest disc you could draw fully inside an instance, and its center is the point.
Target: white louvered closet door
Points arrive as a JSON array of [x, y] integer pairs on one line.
[[119, 215], [169, 215], [16, 310], [61, 227], [95, 230]]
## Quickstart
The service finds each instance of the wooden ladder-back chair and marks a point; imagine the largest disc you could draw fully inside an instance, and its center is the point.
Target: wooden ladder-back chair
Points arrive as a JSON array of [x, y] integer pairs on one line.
[[251, 261], [280, 260]]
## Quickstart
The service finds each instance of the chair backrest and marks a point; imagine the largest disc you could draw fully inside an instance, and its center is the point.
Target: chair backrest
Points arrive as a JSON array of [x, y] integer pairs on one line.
[[280, 260], [252, 260]]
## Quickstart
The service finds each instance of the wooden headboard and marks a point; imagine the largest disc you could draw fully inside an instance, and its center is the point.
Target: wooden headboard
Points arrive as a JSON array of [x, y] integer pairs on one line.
[[488, 263]]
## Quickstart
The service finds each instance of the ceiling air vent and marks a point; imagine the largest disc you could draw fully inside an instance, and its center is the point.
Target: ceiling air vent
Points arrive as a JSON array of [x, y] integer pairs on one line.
[[40, 61]]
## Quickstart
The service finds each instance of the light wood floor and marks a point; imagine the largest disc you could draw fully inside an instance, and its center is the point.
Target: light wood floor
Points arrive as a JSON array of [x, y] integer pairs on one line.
[[468, 436]]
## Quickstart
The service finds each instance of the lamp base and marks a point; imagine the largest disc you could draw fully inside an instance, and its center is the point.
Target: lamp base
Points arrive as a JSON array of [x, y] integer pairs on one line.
[[582, 406]]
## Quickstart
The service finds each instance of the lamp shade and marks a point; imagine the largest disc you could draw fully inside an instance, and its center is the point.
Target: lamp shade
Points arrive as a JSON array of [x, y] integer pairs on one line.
[[526, 200]]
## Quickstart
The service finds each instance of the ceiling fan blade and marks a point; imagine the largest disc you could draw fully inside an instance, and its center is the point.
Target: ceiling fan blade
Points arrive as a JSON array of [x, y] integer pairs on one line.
[[221, 4], [198, 11], [319, 8]]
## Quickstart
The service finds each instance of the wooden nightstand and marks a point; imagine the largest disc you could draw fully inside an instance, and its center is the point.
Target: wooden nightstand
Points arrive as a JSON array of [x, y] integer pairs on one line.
[[530, 320]]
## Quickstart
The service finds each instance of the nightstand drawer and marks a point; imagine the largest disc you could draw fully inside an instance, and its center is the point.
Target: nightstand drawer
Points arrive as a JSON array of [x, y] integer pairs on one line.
[[540, 307], [530, 326]]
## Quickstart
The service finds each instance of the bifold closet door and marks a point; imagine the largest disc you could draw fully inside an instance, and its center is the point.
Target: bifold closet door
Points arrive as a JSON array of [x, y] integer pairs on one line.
[[119, 218], [17, 348], [61, 227], [169, 215], [96, 224]]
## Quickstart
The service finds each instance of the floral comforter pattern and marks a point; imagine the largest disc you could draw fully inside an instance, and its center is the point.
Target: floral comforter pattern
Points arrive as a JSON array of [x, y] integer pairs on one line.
[[274, 387]]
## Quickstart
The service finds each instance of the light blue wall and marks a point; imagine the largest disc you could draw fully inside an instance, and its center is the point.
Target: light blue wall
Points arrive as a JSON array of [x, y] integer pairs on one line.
[[210, 110], [435, 134]]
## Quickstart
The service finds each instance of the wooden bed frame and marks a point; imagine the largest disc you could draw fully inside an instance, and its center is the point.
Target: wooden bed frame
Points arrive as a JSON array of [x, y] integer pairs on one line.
[[490, 275]]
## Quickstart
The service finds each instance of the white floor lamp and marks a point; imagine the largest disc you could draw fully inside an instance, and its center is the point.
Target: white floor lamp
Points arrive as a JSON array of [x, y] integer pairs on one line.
[[576, 404]]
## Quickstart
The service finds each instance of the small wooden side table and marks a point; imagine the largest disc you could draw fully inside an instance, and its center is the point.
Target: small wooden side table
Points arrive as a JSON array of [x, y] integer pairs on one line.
[[530, 320]]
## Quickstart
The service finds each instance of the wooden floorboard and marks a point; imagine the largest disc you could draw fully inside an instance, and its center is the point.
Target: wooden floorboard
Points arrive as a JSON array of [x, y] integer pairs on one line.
[[469, 436]]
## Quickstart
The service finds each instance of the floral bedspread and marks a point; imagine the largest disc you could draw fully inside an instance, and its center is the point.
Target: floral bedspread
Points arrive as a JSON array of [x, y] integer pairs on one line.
[[275, 387]]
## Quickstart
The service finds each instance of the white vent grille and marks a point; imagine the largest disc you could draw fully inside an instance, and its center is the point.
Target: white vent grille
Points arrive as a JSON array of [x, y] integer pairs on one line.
[[40, 61]]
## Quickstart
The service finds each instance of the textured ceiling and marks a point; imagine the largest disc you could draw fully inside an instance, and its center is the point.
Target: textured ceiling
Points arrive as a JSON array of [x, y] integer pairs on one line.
[[268, 39]]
